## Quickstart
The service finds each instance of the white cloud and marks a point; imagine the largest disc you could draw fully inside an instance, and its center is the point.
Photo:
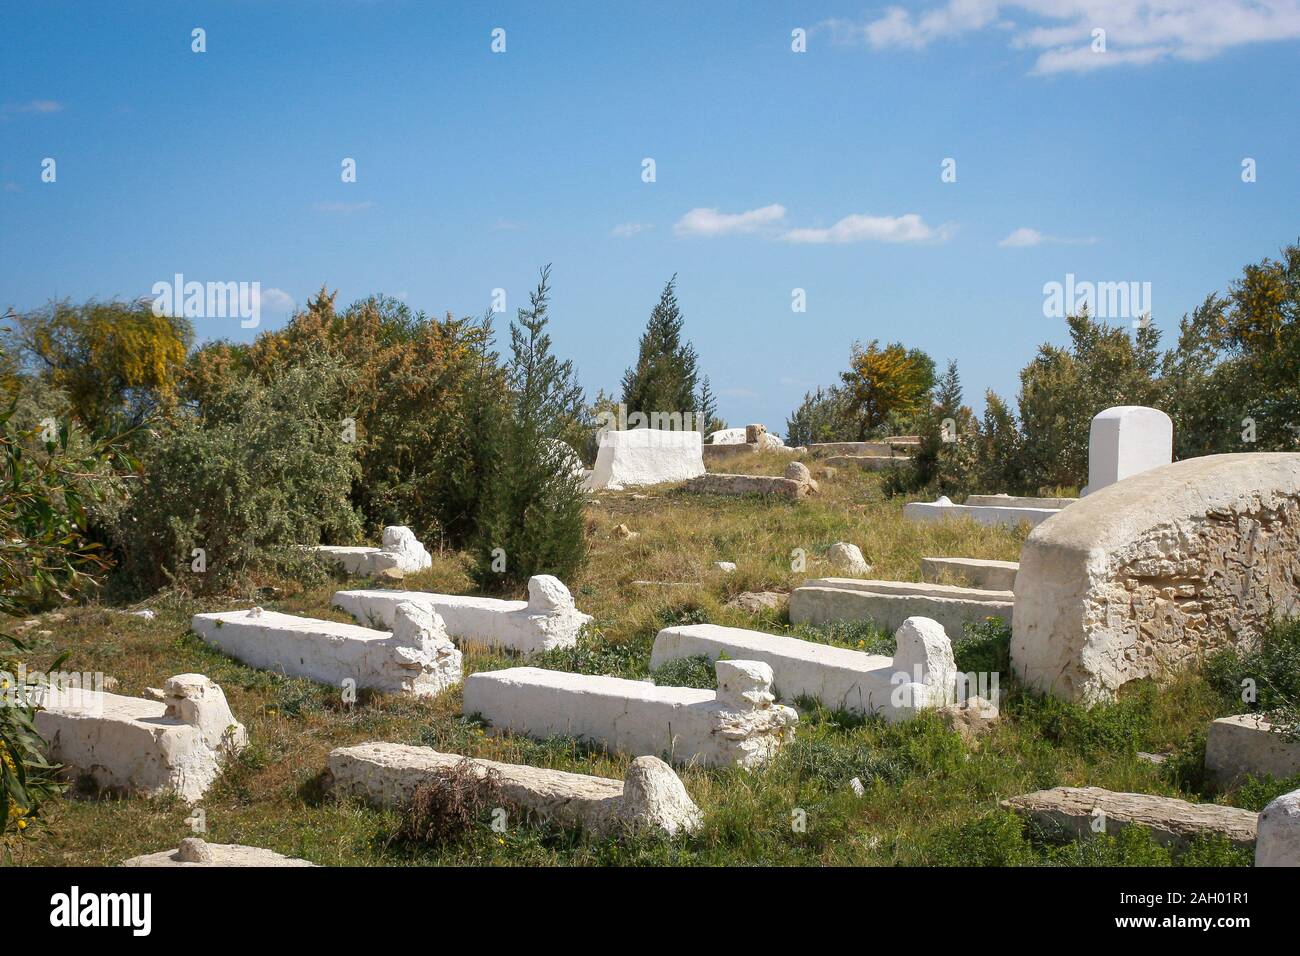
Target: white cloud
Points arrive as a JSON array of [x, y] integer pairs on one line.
[[341, 207], [277, 300], [708, 223], [1138, 32], [31, 106], [1025, 236], [862, 228], [626, 230], [506, 225]]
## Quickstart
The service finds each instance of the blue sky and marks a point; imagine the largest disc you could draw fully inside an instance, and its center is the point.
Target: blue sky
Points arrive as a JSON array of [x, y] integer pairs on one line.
[[774, 170]]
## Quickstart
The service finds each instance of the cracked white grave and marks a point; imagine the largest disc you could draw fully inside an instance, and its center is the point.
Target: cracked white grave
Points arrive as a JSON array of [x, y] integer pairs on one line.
[[920, 674], [739, 725], [651, 795], [132, 745], [401, 551], [547, 619], [416, 657], [196, 852]]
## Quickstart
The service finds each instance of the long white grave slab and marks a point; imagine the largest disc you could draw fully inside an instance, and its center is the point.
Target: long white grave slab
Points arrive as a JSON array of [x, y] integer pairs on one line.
[[972, 572], [889, 603], [416, 657], [920, 674], [1010, 516], [738, 725], [651, 795], [132, 745], [400, 551], [547, 619]]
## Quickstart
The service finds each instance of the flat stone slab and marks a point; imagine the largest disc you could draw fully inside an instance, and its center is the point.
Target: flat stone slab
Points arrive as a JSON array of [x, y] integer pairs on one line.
[[196, 852], [400, 551], [416, 658], [837, 677], [875, 448], [975, 572], [137, 746], [548, 619], [994, 516], [739, 725], [1247, 744], [722, 484], [890, 603], [651, 795], [1017, 501], [1076, 810]]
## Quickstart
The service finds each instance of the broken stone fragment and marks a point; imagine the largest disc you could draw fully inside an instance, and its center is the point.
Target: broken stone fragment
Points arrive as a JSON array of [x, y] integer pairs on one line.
[[848, 558], [626, 533], [925, 654]]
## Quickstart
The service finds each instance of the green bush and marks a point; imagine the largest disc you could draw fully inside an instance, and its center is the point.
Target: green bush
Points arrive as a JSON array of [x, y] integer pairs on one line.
[[530, 519], [1271, 668], [27, 779], [696, 671], [265, 469]]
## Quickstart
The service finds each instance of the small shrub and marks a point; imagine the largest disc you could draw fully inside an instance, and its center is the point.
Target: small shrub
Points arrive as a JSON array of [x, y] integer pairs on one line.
[[592, 654], [1255, 793], [1272, 668], [698, 671], [986, 648], [994, 840], [451, 805]]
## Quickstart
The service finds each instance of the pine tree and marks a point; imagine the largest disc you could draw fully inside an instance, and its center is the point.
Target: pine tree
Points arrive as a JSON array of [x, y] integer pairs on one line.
[[664, 379], [531, 519], [706, 405]]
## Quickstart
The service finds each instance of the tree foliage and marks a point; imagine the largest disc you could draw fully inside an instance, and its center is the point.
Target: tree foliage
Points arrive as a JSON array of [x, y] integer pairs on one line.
[[531, 519]]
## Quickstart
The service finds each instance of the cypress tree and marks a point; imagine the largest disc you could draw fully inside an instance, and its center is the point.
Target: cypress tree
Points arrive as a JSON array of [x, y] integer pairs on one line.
[[531, 519]]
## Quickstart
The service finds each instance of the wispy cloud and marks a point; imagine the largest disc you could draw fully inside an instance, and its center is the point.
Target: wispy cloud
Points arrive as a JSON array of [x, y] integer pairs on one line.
[[863, 228], [1025, 237], [277, 300], [626, 230], [33, 106], [341, 207], [707, 223], [1137, 32], [507, 225]]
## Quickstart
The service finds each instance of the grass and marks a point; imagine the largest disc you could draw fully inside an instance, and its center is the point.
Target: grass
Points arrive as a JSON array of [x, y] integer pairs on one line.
[[926, 797]]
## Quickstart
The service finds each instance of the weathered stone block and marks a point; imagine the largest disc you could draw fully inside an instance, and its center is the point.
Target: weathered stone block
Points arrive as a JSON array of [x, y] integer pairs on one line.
[[651, 795], [995, 515], [547, 619], [1075, 810], [736, 726], [919, 675], [1149, 574], [1279, 832], [401, 552], [196, 852], [972, 572], [131, 745], [1248, 744], [416, 657], [646, 456], [890, 603]]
